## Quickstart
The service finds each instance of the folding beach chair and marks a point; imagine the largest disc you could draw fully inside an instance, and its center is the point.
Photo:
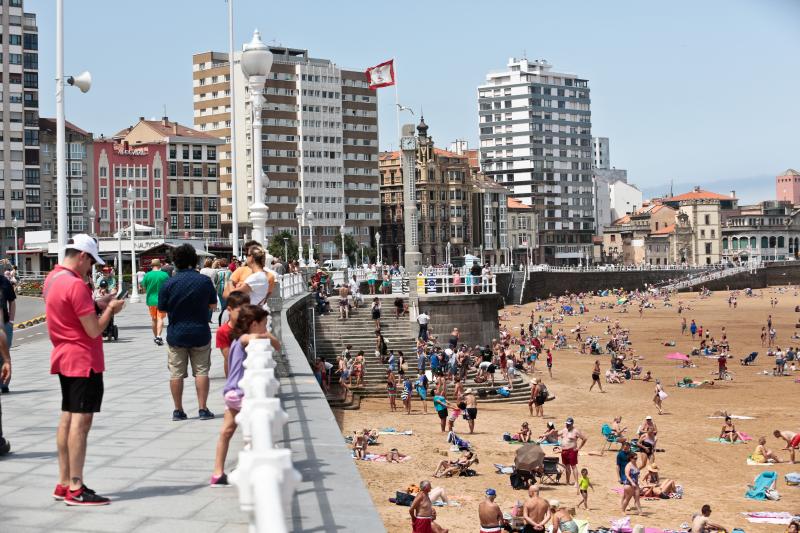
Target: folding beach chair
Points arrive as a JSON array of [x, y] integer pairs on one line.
[[552, 471], [609, 437]]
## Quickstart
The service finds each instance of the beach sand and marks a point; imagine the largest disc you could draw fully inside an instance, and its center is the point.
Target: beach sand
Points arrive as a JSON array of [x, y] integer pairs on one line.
[[711, 473]]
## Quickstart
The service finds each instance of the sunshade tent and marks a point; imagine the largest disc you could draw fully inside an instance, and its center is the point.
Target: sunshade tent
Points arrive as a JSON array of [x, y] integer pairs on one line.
[[529, 457]]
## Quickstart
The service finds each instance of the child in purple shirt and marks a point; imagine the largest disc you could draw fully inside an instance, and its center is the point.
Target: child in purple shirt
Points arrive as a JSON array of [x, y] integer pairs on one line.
[[250, 324]]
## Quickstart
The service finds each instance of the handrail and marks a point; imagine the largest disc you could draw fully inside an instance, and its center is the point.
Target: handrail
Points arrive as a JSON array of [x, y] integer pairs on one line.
[[264, 476]]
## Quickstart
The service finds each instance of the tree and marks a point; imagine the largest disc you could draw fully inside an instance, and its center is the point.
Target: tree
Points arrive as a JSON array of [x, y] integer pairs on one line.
[[276, 246], [351, 248]]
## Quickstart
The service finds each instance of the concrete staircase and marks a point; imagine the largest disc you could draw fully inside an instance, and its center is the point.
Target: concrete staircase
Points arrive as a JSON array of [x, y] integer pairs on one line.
[[333, 334], [515, 289], [693, 280]]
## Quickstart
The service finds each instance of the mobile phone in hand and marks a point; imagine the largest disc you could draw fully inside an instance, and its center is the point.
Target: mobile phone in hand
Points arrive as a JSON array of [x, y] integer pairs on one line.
[[122, 295]]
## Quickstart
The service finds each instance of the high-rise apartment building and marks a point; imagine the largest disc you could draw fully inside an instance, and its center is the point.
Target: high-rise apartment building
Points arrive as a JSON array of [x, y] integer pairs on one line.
[[535, 138], [79, 154], [600, 152], [320, 143], [20, 195]]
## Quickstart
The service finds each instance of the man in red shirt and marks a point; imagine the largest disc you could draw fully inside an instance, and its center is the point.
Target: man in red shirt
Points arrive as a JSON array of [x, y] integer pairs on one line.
[[76, 334]]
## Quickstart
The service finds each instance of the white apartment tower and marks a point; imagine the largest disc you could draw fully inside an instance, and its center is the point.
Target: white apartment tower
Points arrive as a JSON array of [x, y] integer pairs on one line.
[[600, 152], [535, 139], [20, 190]]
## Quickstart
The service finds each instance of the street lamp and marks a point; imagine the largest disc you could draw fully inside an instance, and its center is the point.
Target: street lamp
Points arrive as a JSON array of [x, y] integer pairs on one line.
[[299, 212], [344, 255], [82, 82], [481, 255], [15, 223], [134, 281], [400, 255], [448, 252], [234, 193], [378, 246], [310, 220], [92, 216], [256, 61], [286, 249], [118, 205]]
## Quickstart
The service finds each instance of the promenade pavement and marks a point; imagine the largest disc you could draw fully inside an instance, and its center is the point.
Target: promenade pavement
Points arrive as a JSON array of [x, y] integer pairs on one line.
[[156, 471]]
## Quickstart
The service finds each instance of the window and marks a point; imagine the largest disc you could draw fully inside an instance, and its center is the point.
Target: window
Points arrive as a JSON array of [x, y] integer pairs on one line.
[[185, 169], [173, 221], [173, 151], [197, 170], [185, 152], [708, 248], [186, 221], [198, 204], [198, 221], [187, 204], [197, 152], [212, 205], [157, 173], [103, 172], [173, 168], [211, 153], [708, 219]]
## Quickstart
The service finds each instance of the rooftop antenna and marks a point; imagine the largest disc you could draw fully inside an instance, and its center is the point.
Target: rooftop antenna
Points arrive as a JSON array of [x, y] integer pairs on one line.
[[524, 54], [670, 189], [165, 111]]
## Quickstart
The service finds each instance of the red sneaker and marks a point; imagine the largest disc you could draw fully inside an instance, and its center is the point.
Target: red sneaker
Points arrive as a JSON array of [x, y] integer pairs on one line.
[[85, 496], [60, 492]]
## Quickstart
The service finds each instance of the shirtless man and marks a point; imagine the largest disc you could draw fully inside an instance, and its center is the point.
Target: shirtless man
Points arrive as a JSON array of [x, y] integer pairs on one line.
[[535, 512], [701, 522], [570, 448], [792, 441], [344, 307], [490, 514], [472, 408], [421, 510]]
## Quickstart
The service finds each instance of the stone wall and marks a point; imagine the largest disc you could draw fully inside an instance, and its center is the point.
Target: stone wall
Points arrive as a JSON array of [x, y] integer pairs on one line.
[[474, 315], [299, 322], [545, 284]]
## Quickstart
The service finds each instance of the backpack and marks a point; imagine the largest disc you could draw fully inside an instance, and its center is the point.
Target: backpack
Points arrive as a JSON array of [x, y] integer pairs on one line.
[[517, 482]]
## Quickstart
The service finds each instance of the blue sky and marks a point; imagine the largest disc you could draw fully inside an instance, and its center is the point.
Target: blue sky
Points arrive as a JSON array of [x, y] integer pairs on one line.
[[697, 92]]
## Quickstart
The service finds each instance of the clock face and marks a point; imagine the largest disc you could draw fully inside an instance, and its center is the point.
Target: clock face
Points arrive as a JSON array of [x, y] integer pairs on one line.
[[408, 143]]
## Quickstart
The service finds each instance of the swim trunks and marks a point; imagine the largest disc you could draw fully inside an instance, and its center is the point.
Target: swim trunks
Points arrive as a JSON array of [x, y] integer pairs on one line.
[[569, 457], [422, 524]]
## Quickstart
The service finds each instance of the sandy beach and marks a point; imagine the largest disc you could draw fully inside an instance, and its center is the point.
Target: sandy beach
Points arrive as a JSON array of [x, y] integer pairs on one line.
[[709, 472]]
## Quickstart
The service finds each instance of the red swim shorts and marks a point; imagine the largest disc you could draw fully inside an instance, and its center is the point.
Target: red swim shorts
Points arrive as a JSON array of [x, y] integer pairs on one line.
[[569, 457], [422, 525], [795, 441]]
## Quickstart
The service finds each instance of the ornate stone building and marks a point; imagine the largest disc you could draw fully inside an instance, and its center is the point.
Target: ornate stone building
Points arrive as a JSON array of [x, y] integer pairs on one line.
[[444, 188]]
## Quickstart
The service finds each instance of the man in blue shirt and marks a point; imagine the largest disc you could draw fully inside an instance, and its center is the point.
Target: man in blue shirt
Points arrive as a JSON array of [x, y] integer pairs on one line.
[[186, 298], [622, 460]]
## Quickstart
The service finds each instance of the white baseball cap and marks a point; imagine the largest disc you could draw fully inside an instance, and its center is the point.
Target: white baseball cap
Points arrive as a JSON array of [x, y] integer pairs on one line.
[[85, 243]]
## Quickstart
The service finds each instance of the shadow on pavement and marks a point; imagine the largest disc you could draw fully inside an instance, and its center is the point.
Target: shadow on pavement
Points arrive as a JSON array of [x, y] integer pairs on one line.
[[158, 490]]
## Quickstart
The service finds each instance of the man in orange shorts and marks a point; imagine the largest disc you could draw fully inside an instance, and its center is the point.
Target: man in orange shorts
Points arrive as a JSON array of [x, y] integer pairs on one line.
[[792, 441], [152, 282]]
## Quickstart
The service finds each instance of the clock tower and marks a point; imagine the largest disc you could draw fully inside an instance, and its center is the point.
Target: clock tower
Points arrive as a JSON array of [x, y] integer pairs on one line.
[[408, 162]]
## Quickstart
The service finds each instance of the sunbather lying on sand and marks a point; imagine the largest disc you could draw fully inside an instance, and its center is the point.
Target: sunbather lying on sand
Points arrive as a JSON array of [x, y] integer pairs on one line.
[[448, 468]]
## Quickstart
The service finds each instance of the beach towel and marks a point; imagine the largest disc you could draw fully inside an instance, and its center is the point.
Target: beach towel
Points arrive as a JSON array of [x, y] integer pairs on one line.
[[756, 463], [764, 481], [769, 518], [792, 478], [687, 385], [381, 458], [723, 441], [735, 417], [503, 469], [392, 431]]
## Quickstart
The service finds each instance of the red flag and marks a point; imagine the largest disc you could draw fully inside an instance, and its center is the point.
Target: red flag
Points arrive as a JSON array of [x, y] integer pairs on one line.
[[381, 75]]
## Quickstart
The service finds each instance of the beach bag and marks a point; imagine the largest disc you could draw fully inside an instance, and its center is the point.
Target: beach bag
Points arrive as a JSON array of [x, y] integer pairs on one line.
[[403, 498], [504, 392], [517, 482], [507, 437], [772, 494], [663, 395]]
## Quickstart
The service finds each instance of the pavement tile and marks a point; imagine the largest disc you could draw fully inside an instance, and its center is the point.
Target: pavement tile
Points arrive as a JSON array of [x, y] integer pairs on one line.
[[179, 526], [105, 519]]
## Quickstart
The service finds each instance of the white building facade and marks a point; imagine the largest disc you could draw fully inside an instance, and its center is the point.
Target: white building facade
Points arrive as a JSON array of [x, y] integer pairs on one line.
[[535, 139]]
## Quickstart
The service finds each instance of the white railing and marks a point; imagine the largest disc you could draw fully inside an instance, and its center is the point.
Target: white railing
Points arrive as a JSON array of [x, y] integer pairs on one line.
[[620, 268], [265, 476], [291, 285], [710, 276], [446, 284]]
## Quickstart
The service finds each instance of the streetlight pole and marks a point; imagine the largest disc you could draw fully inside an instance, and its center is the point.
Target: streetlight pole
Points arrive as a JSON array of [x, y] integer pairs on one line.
[[234, 199], [83, 82], [256, 62], [93, 215], [378, 246], [134, 281], [118, 205], [310, 220], [15, 223], [286, 249], [481, 255], [299, 212], [447, 246], [344, 255]]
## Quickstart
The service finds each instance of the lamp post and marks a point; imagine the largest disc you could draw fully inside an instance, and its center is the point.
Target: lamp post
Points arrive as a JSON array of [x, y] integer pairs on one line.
[[400, 255], [82, 82], [286, 249], [299, 212], [92, 216], [118, 205], [481, 255], [256, 62], [362, 255], [378, 247], [447, 246], [234, 194], [134, 281], [15, 223], [344, 254], [310, 221]]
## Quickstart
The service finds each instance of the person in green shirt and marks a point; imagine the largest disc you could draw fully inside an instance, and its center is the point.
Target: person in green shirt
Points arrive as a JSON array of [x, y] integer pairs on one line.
[[152, 282]]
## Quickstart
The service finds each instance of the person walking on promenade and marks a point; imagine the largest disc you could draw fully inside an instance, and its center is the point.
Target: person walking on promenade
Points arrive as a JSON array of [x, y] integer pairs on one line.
[[8, 305], [258, 284], [186, 298], [75, 331], [5, 375], [152, 283], [422, 319]]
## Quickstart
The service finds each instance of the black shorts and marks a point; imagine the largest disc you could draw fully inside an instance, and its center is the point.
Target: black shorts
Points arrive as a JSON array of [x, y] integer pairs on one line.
[[442, 414], [81, 395], [472, 413]]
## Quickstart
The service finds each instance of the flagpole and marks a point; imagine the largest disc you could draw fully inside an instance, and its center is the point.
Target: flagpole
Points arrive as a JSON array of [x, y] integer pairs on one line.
[[397, 105]]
